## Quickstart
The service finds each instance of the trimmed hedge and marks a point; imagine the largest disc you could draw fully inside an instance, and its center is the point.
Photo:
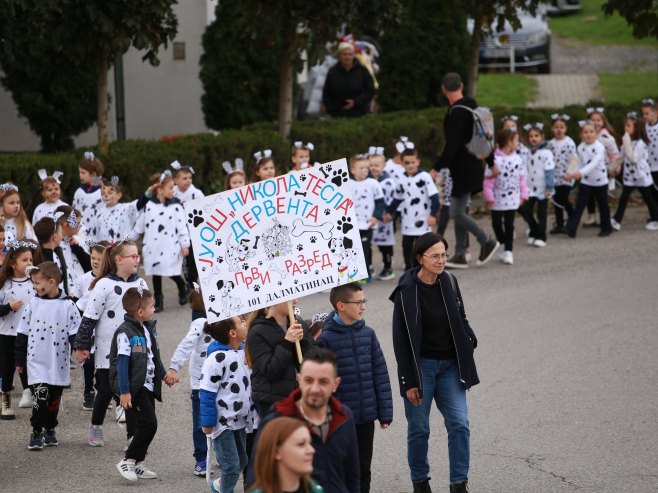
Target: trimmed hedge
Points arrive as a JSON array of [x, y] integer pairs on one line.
[[134, 160]]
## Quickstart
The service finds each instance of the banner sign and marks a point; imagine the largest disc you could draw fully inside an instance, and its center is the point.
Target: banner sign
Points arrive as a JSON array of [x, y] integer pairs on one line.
[[275, 240]]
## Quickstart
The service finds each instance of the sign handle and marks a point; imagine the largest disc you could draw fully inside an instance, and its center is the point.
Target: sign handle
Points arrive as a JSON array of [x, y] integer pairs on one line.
[[291, 315]]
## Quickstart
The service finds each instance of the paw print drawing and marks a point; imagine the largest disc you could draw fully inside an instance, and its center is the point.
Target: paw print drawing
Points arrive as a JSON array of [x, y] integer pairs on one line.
[[218, 242], [302, 177], [344, 224], [211, 298], [305, 272], [317, 272], [219, 260], [327, 212], [256, 287], [296, 281], [245, 266], [300, 247], [280, 283], [328, 168], [195, 218], [313, 239], [339, 177]]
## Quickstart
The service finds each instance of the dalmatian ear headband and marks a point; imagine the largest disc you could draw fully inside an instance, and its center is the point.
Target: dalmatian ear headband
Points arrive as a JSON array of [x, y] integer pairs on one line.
[[43, 174], [140, 291], [72, 220], [89, 156], [97, 181], [30, 269], [533, 126], [375, 151], [648, 102], [114, 181], [300, 145], [404, 145], [557, 116], [582, 123], [632, 115], [15, 245], [258, 155], [126, 238], [318, 317], [514, 118], [598, 109], [164, 175], [57, 215], [238, 165], [176, 165], [93, 243], [8, 187]]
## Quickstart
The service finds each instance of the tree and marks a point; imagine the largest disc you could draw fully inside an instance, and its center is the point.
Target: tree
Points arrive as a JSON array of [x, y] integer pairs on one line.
[[428, 40], [55, 95], [641, 15], [240, 75], [305, 27], [490, 16]]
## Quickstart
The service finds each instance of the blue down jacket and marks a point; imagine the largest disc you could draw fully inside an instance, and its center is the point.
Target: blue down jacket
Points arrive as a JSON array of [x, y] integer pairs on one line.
[[364, 384]]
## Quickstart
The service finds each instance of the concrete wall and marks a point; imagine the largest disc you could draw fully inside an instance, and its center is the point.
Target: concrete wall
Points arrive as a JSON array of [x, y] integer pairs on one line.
[[163, 100]]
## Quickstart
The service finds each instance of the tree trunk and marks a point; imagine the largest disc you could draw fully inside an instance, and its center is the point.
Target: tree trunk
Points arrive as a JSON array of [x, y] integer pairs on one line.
[[101, 108], [286, 74], [476, 37]]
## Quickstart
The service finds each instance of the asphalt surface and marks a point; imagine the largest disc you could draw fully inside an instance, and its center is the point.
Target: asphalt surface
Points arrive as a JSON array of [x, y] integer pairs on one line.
[[568, 338]]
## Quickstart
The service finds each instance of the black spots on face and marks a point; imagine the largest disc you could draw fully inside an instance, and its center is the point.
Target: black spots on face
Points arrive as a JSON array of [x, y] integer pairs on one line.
[[111, 314], [118, 290], [220, 356], [235, 388]]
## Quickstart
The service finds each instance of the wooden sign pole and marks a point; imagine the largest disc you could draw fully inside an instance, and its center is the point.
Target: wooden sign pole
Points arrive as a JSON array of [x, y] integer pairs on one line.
[[291, 315]]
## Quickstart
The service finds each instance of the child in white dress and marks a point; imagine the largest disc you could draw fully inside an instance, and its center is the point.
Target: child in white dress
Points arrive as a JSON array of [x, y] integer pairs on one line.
[[564, 152], [383, 235], [51, 193]]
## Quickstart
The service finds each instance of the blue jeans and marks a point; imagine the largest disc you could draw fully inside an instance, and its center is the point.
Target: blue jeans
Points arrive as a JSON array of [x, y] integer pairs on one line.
[[441, 384], [230, 448], [198, 437]]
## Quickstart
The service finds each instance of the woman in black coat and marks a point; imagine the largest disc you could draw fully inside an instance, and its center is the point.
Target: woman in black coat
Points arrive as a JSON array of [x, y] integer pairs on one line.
[[433, 344], [271, 348]]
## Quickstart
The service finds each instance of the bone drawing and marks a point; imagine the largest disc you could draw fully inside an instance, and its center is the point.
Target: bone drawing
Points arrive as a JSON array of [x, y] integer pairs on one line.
[[276, 268], [212, 206], [208, 273], [303, 194], [326, 175], [324, 229]]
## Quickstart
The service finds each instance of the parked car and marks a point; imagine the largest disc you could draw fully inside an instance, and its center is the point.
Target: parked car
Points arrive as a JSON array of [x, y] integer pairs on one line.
[[531, 42], [562, 7]]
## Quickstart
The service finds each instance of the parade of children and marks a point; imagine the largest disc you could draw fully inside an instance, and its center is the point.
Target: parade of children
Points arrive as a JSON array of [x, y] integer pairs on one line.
[[83, 283]]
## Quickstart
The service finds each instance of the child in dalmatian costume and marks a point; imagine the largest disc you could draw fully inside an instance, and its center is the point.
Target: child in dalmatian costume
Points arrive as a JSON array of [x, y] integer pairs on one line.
[[384, 233], [650, 116], [184, 188], [116, 220], [564, 152], [51, 193], [87, 199]]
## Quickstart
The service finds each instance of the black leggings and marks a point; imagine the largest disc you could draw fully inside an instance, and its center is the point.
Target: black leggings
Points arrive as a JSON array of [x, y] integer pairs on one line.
[[444, 218], [585, 193], [561, 197], [646, 196], [103, 397], [387, 256], [502, 223], [366, 244], [537, 224], [143, 413], [9, 364], [157, 284], [88, 373]]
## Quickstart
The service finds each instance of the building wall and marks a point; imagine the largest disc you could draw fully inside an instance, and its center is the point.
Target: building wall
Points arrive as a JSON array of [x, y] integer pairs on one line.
[[163, 100]]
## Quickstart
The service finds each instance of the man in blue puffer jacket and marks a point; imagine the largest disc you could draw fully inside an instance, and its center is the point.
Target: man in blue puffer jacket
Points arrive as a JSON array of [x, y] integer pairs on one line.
[[365, 387]]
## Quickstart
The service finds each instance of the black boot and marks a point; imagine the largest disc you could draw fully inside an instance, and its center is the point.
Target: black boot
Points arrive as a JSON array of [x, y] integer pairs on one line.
[[423, 486], [182, 296], [159, 303], [459, 487]]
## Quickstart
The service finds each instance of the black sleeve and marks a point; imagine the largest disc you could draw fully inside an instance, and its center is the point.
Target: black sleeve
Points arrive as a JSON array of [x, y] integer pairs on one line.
[[367, 92], [142, 201], [380, 208], [85, 334], [5, 310], [83, 257], [458, 124], [47, 255], [393, 206], [328, 98], [20, 350]]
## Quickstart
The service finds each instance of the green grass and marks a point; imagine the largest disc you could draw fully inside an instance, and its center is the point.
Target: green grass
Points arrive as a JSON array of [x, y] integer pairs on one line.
[[591, 26], [505, 90], [628, 88]]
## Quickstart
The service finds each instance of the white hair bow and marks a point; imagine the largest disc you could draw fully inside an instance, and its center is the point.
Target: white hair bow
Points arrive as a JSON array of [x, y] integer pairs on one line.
[[262, 154], [230, 168], [43, 174], [89, 156], [514, 118], [375, 151], [57, 215], [648, 102], [632, 115], [8, 187], [29, 269], [402, 146], [557, 116], [598, 109], [140, 291], [530, 126], [318, 317], [176, 165], [164, 175], [582, 123], [114, 181], [300, 145], [14, 245]]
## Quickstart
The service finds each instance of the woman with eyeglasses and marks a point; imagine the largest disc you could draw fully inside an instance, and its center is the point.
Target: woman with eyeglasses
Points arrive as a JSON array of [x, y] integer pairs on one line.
[[433, 344]]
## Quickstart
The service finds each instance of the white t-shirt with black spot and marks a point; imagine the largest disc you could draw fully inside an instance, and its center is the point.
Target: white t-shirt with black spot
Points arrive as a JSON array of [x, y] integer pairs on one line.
[[539, 163], [191, 193], [45, 209], [507, 185], [364, 194], [115, 223], [592, 164], [394, 169], [11, 233], [81, 289], [124, 349], [19, 290], [194, 346], [48, 324], [637, 172], [384, 234], [89, 204], [415, 192], [652, 148], [104, 304], [563, 151]]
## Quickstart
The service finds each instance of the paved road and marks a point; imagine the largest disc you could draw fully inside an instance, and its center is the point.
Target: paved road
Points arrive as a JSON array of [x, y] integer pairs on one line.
[[558, 91], [568, 338]]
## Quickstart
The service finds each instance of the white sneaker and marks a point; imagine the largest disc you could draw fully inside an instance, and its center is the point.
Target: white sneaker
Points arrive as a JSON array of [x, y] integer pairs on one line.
[[127, 469], [539, 243], [214, 486], [616, 226], [26, 399], [531, 240], [467, 255], [143, 472], [508, 258], [651, 226], [501, 255], [120, 414]]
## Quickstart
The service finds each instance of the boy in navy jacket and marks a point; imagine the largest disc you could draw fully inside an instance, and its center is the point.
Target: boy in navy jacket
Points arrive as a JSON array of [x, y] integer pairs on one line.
[[365, 387]]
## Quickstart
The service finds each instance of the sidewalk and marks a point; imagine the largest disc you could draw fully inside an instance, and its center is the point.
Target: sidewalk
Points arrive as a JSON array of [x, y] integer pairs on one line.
[[557, 91]]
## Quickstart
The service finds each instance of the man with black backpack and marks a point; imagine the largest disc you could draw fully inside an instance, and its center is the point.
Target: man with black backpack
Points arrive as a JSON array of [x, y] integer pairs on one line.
[[466, 168]]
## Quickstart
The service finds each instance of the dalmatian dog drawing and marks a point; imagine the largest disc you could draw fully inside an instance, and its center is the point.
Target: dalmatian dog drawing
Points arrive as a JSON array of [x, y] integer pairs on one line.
[[346, 265], [229, 303], [337, 245], [237, 253], [276, 241]]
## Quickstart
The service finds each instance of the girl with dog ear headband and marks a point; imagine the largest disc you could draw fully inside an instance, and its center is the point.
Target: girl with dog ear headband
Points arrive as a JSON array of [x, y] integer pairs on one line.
[[50, 189]]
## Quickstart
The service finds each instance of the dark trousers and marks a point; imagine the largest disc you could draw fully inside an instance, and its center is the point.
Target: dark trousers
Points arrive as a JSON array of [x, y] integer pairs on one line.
[[143, 410], [407, 246], [561, 197], [198, 437], [502, 223], [366, 243], [536, 223], [591, 205], [387, 256], [102, 399], [654, 188], [585, 193], [365, 436], [88, 373], [45, 407], [192, 274], [157, 284], [9, 364], [444, 218], [646, 196]]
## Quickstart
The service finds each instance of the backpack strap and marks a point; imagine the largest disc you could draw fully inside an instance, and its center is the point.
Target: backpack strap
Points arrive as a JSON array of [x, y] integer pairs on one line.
[[453, 285], [463, 107]]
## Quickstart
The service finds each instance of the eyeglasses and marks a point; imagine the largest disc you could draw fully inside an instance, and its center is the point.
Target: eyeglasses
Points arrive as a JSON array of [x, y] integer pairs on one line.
[[135, 257], [437, 256], [357, 303]]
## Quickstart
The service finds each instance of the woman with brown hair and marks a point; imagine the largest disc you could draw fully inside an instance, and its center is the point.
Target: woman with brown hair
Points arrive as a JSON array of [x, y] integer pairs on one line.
[[284, 458]]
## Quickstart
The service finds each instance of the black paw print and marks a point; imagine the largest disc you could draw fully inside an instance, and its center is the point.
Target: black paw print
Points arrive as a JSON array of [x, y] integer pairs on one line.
[[302, 177], [195, 218], [245, 266], [339, 178], [280, 283], [313, 239], [219, 260], [305, 272], [345, 224], [218, 241], [256, 287], [296, 281], [328, 168], [327, 212], [300, 247], [211, 298]]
